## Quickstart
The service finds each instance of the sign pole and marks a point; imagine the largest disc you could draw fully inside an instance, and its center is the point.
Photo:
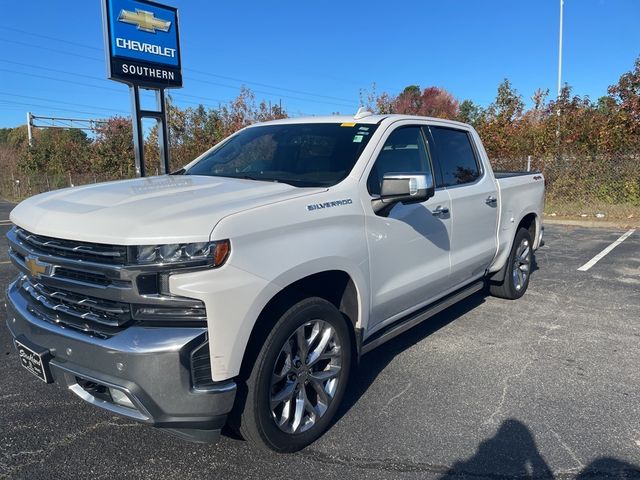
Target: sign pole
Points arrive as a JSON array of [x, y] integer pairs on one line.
[[163, 132], [138, 134]]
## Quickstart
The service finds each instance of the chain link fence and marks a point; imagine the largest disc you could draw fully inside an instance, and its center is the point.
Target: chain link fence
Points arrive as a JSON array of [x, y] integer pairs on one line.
[[16, 187], [594, 187]]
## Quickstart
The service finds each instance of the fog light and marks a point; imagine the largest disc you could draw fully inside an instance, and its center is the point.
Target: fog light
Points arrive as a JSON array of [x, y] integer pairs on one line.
[[120, 398]]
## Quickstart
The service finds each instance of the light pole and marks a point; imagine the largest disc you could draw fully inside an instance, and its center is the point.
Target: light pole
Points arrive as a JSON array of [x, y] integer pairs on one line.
[[560, 51], [559, 81]]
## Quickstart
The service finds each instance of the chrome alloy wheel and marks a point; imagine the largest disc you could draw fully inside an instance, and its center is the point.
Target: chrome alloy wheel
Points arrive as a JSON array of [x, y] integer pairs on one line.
[[521, 265], [305, 376]]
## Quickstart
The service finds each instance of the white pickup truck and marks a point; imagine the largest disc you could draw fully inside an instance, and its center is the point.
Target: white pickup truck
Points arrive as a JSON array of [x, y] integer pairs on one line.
[[242, 289]]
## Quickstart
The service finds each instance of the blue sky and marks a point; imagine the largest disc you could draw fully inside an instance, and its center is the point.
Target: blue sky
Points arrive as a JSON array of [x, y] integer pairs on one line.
[[316, 56]]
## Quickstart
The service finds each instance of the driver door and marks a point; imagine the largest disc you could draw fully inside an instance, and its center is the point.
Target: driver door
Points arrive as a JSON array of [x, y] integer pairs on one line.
[[409, 249]]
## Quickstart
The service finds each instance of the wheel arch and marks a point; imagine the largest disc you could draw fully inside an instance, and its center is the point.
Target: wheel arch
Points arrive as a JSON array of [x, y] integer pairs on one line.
[[530, 221], [336, 286]]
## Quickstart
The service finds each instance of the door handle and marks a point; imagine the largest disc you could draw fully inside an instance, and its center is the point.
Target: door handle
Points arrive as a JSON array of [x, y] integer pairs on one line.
[[491, 200], [440, 211]]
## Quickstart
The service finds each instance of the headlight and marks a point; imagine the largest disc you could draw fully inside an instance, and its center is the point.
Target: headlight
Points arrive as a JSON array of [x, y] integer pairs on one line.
[[212, 254]]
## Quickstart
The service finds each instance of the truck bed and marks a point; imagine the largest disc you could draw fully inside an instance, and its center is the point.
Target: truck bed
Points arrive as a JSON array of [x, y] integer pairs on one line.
[[519, 192], [512, 173]]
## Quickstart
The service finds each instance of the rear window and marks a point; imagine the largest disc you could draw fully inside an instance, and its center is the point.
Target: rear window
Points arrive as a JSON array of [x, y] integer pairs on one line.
[[304, 155], [455, 155]]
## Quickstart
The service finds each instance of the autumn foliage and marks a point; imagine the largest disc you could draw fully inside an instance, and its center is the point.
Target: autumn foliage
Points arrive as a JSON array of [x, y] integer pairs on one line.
[[588, 150]]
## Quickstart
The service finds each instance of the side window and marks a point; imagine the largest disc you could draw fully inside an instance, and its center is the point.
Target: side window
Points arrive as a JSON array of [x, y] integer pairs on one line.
[[403, 152], [455, 155]]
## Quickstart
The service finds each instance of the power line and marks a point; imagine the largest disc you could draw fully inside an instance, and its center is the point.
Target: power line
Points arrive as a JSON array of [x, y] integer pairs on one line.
[[48, 107], [191, 70], [89, 47], [101, 79], [60, 101], [40, 47], [272, 93], [46, 37], [300, 92], [46, 77]]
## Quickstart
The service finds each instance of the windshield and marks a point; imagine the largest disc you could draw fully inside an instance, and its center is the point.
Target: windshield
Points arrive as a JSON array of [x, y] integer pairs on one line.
[[303, 155]]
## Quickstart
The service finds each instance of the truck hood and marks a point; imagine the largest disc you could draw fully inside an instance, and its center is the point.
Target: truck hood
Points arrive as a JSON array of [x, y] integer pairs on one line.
[[142, 211]]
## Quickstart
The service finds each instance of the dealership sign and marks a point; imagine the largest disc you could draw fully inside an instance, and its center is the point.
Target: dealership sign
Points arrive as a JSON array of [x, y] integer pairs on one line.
[[142, 43]]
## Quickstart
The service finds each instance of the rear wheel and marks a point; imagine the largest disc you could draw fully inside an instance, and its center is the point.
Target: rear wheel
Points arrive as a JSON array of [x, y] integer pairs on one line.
[[298, 379], [518, 268]]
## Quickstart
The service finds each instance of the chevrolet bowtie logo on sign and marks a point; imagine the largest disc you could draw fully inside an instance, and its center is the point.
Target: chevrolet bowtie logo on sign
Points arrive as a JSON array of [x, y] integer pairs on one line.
[[144, 20], [36, 267], [141, 37]]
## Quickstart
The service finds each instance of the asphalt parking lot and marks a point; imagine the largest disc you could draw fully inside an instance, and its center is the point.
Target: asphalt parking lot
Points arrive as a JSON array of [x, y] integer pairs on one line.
[[546, 386]]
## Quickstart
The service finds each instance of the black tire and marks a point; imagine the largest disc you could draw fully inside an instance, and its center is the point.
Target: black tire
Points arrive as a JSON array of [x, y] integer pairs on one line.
[[257, 421], [513, 286]]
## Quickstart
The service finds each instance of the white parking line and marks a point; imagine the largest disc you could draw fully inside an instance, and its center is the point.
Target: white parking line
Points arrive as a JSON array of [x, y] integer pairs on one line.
[[601, 255]]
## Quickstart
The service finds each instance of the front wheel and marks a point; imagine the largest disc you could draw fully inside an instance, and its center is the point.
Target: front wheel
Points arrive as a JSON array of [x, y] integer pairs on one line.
[[298, 379], [518, 268]]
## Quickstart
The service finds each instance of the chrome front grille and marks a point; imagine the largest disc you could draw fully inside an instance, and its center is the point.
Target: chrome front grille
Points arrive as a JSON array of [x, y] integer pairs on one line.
[[71, 249], [85, 309], [82, 276], [100, 295]]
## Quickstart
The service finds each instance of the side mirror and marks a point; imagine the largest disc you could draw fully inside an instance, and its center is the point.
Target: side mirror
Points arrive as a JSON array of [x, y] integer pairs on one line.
[[403, 188]]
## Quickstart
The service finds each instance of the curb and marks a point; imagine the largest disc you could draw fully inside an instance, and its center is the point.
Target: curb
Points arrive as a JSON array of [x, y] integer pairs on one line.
[[590, 223]]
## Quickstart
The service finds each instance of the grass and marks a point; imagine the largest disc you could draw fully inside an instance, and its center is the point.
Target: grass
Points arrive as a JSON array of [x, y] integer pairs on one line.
[[623, 214]]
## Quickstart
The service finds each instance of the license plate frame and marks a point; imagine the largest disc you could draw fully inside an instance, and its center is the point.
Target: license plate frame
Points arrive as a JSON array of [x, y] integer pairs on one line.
[[34, 359]]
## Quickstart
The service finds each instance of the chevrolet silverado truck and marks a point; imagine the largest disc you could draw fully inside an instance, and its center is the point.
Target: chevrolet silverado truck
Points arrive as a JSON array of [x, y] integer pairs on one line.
[[242, 289]]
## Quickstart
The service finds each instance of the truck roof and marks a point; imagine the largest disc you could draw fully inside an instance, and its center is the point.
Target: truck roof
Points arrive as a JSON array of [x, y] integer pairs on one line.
[[368, 119]]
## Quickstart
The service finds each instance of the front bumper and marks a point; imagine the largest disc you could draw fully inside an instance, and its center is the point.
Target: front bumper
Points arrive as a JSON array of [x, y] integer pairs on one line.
[[150, 366]]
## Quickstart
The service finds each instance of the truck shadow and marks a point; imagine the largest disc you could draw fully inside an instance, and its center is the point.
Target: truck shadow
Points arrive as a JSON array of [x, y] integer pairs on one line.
[[365, 374], [377, 360]]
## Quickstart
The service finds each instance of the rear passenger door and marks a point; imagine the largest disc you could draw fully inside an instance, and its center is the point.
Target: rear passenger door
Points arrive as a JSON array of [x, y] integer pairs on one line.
[[473, 194]]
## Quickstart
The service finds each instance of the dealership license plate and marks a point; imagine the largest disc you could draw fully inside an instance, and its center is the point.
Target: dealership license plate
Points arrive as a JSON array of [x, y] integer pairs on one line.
[[36, 363]]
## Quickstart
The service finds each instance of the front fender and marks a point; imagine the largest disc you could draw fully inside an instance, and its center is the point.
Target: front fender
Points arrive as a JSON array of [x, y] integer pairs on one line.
[[271, 248]]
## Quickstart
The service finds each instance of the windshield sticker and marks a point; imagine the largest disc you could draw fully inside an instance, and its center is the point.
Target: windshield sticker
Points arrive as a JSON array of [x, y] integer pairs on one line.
[[336, 203], [357, 138], [348, 124], [363, 128]]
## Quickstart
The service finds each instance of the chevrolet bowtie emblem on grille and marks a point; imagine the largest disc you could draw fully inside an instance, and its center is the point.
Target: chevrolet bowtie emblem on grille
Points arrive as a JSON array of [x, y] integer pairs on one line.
[[36, 267], [145, 21]]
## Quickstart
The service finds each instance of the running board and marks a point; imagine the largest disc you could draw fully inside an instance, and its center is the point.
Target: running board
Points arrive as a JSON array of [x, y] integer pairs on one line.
[[421, 315]]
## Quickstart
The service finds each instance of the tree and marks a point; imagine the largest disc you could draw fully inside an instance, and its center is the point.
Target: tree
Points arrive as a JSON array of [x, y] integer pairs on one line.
[[469, 112], [627, 94], [508, 105], [112, 152], [437, 102], [409, 102], [499, 128], [623, 118], [58, 151], [430, 102]]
